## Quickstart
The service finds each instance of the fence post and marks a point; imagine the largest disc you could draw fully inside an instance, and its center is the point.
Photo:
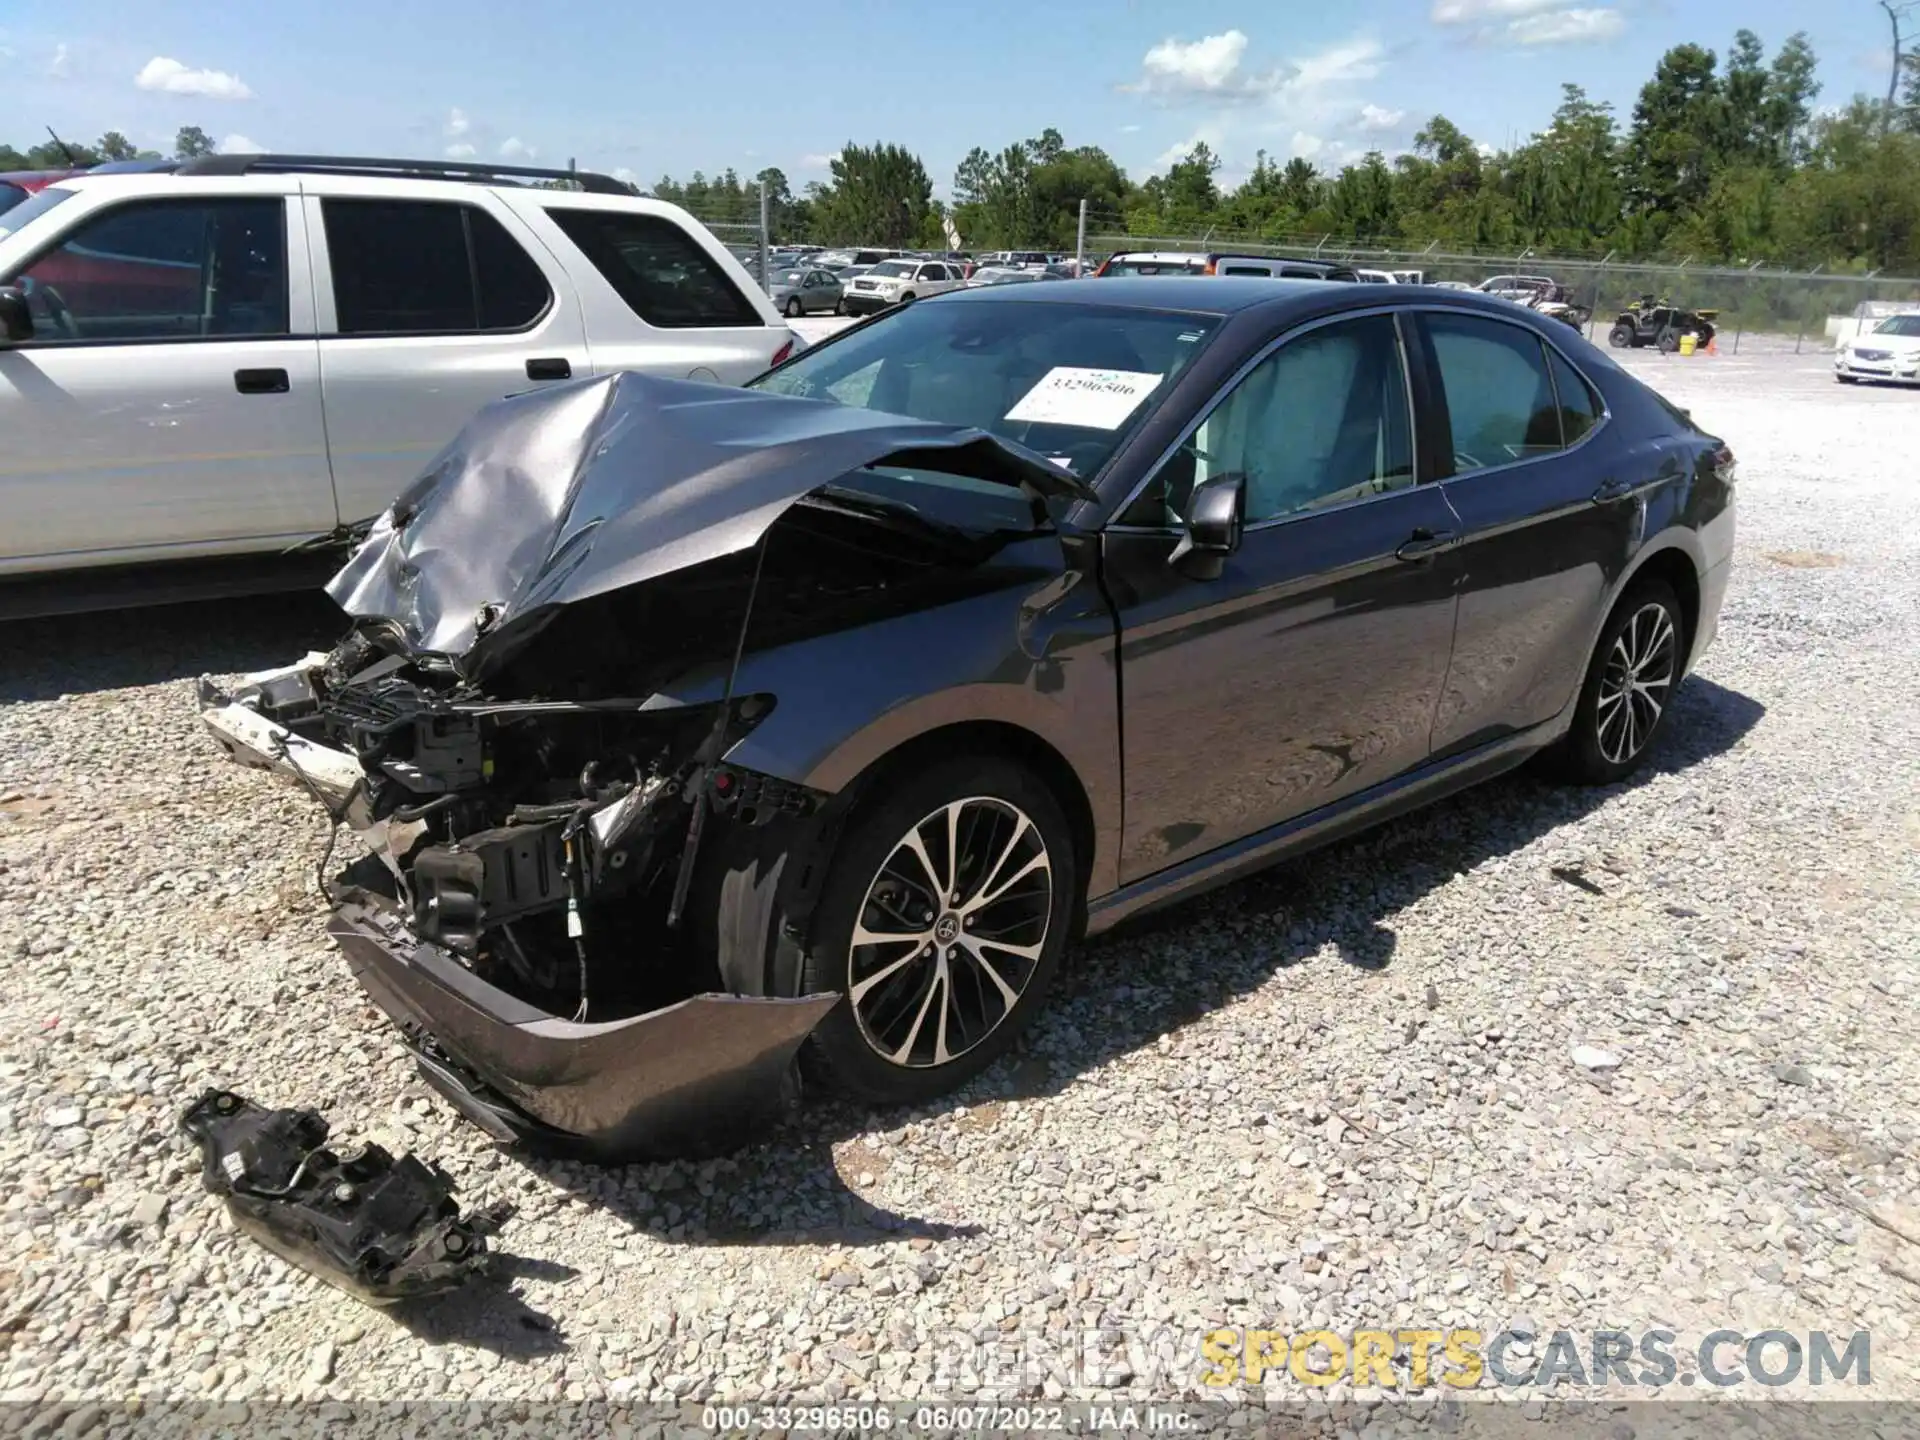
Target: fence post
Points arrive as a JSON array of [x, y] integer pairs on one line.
[[763, 231], [1080, 242]]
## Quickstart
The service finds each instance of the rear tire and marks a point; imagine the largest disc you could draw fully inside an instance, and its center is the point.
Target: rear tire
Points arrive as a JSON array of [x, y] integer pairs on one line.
[[1629, 688], [927, 1013]]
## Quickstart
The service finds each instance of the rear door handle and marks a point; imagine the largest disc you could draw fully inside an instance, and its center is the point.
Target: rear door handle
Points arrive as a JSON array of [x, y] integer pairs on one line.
[[261, 382], [550, 369], [1611, 490], [1424, 544]]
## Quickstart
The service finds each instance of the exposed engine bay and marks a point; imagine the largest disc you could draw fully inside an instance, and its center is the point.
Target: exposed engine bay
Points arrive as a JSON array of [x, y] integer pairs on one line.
[[543, 822]]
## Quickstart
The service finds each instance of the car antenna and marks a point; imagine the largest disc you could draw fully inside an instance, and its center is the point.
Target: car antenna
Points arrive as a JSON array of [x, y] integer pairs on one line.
[[65, 149], [710, 752]]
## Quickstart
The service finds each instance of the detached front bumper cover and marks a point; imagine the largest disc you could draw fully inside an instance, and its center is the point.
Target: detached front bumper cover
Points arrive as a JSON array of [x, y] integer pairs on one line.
[[694, 1077], [381, 1229]]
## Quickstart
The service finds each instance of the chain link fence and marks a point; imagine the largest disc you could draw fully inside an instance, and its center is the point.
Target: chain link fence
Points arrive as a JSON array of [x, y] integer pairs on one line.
[[1801, 308], [1760, 304]]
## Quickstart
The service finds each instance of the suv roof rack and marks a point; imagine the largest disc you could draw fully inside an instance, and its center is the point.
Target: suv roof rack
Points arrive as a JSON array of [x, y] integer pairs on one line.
[[414, 169]]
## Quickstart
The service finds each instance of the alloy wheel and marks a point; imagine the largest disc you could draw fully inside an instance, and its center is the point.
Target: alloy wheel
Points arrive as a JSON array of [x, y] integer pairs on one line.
[[951, 932], [1635, 684]]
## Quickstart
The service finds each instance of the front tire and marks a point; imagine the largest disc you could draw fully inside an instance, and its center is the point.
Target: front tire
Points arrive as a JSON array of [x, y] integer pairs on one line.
[[942, 921], [1629, 688], [1622, 336], [793, 307], [1848, 379]]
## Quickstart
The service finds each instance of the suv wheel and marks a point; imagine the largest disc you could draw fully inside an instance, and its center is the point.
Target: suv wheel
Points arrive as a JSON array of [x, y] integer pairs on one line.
[[942, 921], [1629, 687]]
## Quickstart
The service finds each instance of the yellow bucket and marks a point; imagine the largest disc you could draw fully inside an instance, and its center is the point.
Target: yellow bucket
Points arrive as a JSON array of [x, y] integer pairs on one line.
[[1689, 343]]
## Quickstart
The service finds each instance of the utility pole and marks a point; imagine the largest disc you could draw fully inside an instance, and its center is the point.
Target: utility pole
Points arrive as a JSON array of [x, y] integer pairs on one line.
[[764, 277], [1080, 241]]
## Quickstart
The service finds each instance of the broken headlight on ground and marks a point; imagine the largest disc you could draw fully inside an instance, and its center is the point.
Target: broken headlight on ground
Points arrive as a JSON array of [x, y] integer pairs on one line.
[[381, 1229]]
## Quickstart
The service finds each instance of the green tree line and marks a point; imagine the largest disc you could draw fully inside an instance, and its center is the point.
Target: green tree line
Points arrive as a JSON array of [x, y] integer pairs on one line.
[[1723, 158], [52, 154]]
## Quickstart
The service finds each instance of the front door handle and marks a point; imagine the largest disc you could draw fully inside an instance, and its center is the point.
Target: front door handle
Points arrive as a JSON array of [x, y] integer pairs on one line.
[[1424, 544], [1611, 490], [261, 382], [549, 369]]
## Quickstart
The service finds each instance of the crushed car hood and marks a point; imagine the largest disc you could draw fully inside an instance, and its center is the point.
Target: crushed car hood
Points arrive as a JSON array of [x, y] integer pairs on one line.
[[547, 498]]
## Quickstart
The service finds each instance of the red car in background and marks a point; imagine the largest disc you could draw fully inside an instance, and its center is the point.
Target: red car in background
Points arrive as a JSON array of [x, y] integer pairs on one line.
[[17, 185]]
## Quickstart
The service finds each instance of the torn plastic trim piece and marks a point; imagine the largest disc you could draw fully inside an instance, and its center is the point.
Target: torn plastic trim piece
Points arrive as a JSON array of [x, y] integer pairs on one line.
[[381, 1229]]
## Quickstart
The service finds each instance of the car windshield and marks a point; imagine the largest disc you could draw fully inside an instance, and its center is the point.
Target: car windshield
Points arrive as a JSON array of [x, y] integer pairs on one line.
[[1128, 266], [1068, 381], [1899, 325], [888, 268], [31, 207]]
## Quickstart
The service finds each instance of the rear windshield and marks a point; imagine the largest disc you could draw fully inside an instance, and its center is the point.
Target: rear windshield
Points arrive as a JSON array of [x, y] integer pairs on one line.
[[1119, 266], [1067, 381]]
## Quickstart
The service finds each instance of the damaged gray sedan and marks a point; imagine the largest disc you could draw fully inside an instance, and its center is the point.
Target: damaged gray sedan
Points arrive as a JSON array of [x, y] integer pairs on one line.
[[694, 732]]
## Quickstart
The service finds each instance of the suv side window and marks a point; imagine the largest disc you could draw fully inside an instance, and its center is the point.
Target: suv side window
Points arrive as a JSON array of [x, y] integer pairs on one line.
[[164, 270], [1498, 392], [414, 267], [1322, 420], [665, 277], [933, 272]]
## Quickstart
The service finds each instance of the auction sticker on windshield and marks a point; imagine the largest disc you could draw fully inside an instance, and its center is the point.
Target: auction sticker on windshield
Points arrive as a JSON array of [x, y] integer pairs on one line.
[[1095, 399]]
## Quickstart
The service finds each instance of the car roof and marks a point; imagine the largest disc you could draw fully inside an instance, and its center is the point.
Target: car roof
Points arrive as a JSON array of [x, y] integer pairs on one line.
[[1221, 295]]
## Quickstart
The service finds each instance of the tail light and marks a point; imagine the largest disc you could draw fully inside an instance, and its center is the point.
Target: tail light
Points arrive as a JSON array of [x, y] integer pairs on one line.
[[1212, 267], [1103, 267], [781, 355], [1724, 464]]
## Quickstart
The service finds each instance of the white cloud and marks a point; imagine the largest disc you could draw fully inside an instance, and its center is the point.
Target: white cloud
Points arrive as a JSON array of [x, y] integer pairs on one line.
[[461, 151], [240, 145], [1376, 119], [1207, 135], [1209, 66], [1566, 27], [457, 124], [625, 175], [1305, 146], [818, 162], [514, 148], [60, 67], [1529, 22], [1465, 12], [1129, 129], [170, 77]]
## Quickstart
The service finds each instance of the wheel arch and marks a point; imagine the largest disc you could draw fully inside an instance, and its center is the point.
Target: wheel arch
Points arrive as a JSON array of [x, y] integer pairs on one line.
[[1680, 569], [1008, 741]]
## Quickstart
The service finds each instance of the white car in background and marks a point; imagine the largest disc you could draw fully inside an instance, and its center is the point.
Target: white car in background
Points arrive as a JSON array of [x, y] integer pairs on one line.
[[1889, 351], [894, 282], [227, 358]]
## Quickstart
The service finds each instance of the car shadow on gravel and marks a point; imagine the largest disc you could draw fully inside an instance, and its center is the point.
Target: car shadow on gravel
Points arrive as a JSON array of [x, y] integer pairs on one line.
[[802, 1185], [59, 655]]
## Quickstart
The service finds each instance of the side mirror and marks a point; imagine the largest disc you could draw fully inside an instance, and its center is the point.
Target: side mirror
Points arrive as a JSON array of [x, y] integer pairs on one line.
[[16, 320], [1215, 514]]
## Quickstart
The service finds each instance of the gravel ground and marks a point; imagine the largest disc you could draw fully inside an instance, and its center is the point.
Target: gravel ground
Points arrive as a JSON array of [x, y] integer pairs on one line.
[[1342, 1094]]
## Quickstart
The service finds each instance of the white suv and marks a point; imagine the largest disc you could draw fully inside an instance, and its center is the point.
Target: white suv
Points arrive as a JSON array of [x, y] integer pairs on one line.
[[239, 354], [893, 282]]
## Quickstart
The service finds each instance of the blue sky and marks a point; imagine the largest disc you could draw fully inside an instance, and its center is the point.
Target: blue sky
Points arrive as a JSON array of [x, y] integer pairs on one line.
[[644, 88]]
